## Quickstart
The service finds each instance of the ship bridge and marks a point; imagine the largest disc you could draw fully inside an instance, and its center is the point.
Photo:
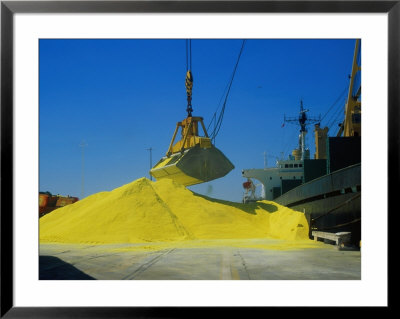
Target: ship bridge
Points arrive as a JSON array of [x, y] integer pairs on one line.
[[278, 180]]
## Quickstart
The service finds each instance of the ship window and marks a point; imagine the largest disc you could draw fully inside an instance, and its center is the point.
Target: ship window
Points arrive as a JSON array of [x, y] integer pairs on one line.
[[296, 165], [281, 177], [300, 165], [286, 165], [270, 178], [294, 177], [291, 165]]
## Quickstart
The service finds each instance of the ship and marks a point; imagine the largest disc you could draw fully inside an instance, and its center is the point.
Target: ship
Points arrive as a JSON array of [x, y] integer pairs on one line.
[[326, 188]]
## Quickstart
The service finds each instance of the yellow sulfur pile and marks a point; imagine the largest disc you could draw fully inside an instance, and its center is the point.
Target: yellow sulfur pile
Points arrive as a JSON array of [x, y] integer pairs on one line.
[[146, 211]]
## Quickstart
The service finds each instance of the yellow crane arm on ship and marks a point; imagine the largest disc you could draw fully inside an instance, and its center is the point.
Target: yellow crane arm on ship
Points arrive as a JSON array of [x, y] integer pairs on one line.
[[351, 125]]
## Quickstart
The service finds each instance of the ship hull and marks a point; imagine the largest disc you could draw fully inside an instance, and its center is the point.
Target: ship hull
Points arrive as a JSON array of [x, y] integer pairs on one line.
[[331, 203]]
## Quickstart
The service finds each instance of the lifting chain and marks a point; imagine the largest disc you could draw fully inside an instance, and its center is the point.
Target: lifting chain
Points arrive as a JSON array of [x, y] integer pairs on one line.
[[189, 77]]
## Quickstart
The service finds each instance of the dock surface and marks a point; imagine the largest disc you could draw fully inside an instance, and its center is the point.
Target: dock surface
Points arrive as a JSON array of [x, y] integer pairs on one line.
[[214, 261]]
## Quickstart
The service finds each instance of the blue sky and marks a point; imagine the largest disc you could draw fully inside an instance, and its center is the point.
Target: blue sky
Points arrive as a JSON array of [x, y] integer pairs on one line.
[[122, 97]]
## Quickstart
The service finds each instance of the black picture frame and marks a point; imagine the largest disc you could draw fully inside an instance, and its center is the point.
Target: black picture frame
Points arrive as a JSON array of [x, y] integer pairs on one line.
[[9, 8]]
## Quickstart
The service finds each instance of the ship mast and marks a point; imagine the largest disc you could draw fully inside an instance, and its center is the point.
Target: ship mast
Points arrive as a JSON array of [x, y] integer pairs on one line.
[[302, 120]]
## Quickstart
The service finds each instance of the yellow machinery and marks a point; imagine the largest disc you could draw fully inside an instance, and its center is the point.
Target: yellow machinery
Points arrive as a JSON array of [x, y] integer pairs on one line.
[[193, 159], [320, 141], [351, 125]]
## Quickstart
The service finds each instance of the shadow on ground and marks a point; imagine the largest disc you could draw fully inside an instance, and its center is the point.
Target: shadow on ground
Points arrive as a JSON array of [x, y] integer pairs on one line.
[[53, 268], [249, 208]]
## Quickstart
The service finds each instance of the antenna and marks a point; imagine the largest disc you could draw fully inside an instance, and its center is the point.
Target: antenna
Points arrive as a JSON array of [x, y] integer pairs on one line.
[[303, 121], [83, 145], [151, 165]]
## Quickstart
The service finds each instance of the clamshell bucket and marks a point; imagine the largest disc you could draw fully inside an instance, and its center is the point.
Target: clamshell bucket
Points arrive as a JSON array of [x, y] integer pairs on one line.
[[193, 159]]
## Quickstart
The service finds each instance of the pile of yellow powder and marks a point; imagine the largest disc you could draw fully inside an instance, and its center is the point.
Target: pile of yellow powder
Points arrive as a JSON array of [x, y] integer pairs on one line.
[[146, 211]]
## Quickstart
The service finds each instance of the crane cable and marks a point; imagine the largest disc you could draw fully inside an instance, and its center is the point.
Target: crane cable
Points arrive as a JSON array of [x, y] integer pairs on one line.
[[188, 54], [336, 117], [218, 123], [337, 100]]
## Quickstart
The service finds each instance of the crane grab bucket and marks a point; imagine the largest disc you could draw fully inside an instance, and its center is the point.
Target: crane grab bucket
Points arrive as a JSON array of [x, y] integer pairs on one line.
[[193, 159]]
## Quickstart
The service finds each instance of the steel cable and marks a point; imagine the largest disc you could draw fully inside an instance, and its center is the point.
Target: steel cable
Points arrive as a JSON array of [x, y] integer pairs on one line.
[[218, 124]]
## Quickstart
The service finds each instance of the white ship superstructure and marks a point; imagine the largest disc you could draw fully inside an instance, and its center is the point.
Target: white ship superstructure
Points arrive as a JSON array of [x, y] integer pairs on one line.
[[271, 178]]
